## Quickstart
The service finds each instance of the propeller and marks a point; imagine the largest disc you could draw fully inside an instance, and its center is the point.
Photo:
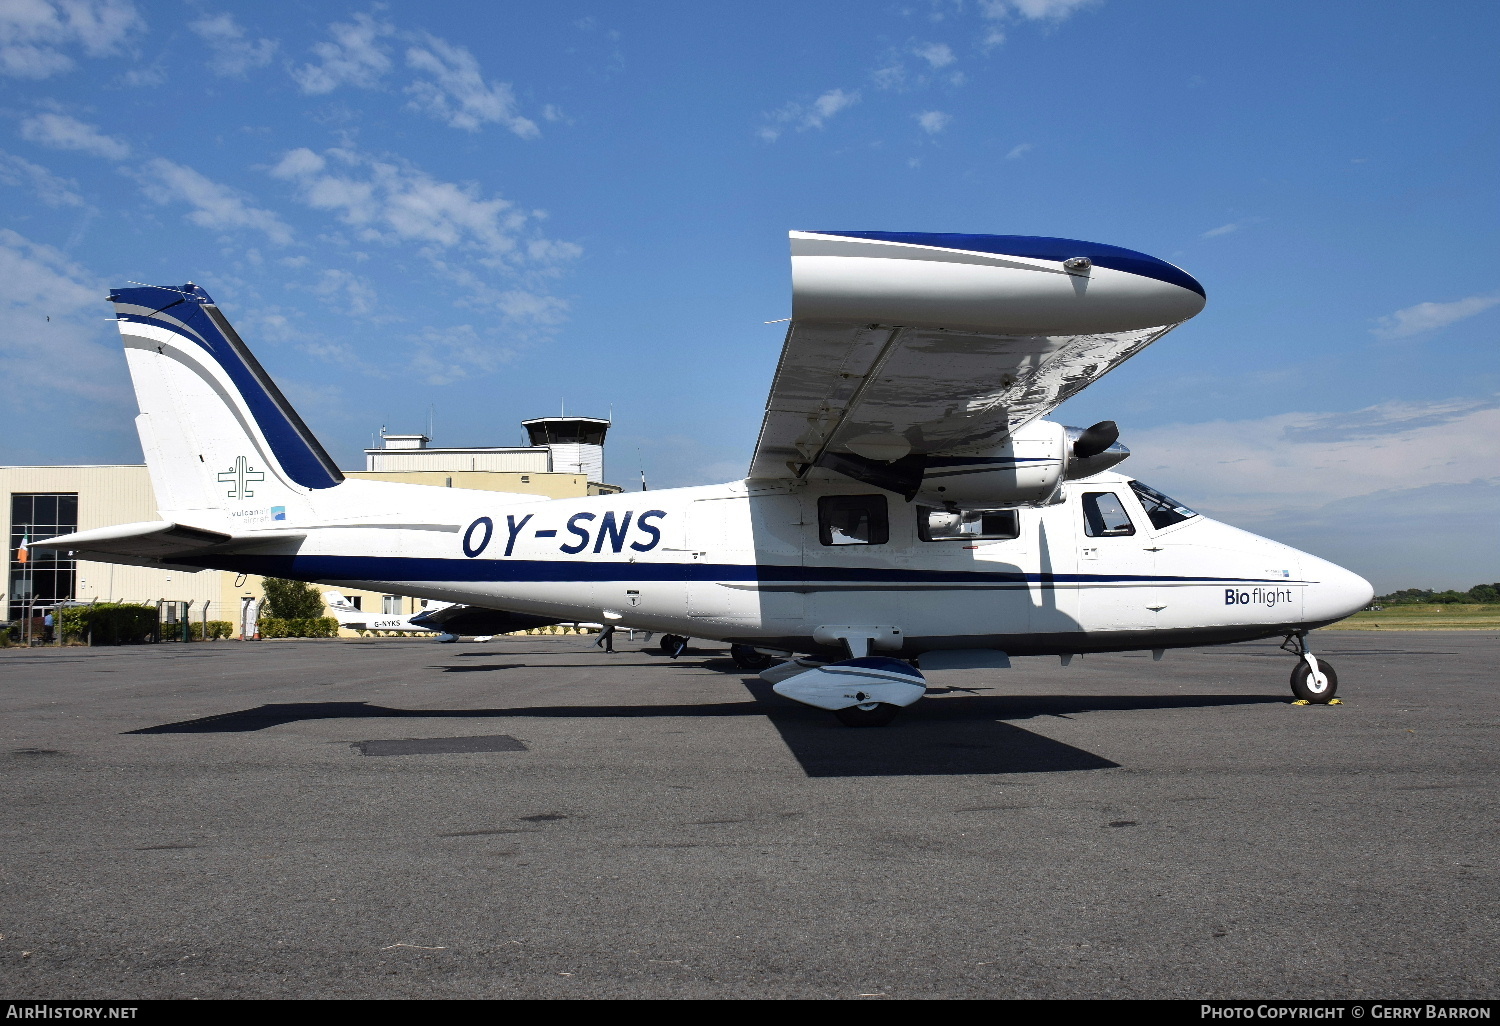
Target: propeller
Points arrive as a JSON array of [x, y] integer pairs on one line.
[[1096, 439]]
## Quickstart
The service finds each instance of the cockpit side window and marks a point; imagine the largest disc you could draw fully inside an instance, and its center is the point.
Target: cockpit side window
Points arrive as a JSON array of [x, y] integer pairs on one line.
[[1104, 516], [853, 520], [1161, 510]]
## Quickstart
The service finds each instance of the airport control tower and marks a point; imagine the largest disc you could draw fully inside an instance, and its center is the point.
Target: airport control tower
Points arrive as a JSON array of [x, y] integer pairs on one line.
[[577, 443]]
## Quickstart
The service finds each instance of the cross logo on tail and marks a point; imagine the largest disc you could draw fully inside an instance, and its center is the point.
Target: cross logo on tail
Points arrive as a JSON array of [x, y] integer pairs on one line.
[[239, 475]]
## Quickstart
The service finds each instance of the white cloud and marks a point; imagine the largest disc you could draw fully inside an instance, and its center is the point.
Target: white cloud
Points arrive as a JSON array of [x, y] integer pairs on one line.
[[449, 84], [48, 187], [34, 33], [933, 121], [457, 92], [1303, 461], [234, 55], [213, 205], [938, 55], [387, 201], [1017, 152], [140, 78], [1425, 317], [1033, 10], [486, 252], [355, 57], [354, 295], [804, 116], [42, 283], [1223, 229], [892, 76], [64, 133], [827, 105], [445, 355]]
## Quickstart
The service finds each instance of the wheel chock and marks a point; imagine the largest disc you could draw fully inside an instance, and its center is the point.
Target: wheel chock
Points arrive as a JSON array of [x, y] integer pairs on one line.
[[1335, 701], [1302, 701]]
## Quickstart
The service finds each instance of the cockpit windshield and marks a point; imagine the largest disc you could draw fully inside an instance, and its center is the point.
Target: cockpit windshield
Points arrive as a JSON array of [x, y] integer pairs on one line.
[[1161, 510]]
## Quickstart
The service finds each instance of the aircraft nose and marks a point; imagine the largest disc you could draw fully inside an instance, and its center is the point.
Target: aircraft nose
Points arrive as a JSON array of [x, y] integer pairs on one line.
[[1332, 592]]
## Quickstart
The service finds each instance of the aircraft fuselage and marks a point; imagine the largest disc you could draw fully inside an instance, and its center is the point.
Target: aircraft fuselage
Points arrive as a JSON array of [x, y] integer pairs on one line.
[[770, 563]]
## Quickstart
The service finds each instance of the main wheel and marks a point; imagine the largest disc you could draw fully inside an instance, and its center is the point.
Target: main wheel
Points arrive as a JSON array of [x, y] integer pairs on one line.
[[871, 714], [1307, 690], [672, 644], [746, 658]]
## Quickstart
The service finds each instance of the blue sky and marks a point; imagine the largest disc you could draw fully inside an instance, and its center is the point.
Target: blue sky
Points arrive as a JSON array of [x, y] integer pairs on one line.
[[482, 209]]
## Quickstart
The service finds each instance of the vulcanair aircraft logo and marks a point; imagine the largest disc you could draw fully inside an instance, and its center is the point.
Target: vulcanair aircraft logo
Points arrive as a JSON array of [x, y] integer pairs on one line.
[[239, 476]]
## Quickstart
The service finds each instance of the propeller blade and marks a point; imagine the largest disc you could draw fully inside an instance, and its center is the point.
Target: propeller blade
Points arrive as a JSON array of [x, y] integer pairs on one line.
[[1096, 439]]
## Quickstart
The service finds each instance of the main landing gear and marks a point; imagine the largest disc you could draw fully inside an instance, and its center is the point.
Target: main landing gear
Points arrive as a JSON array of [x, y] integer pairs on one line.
[[864, 692], [871, 714], [747, 658], [1314, 681], [672, 645]]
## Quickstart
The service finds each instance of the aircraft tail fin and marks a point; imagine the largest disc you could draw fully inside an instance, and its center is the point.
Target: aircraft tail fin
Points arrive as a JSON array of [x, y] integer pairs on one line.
[[220, 439]]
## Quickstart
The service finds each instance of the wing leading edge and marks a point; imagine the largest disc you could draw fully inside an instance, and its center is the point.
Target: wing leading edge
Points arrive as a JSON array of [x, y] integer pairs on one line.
[[905, 344]]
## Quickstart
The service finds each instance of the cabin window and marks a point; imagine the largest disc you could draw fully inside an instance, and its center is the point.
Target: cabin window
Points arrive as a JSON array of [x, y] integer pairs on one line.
[[390, 605], [935, 525], [1161, 510], [853, 520], [1104, 516], [356, 601]]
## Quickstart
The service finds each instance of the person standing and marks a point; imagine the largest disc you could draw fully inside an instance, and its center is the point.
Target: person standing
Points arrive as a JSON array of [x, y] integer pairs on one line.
[[47, 628]]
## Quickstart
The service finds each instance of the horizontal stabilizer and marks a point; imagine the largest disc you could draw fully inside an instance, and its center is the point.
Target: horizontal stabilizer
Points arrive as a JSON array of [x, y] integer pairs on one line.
[[156, 543], [151, 539]]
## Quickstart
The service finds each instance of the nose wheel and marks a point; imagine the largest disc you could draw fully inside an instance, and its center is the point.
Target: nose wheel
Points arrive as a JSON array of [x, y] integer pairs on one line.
[[1314, 681]]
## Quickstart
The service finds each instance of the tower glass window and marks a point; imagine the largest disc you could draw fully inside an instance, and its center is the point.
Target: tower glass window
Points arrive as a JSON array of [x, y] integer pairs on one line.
[[47, 576]]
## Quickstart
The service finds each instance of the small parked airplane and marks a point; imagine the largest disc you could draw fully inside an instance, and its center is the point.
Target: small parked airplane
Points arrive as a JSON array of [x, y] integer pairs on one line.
[[907, 501], [352, 617]]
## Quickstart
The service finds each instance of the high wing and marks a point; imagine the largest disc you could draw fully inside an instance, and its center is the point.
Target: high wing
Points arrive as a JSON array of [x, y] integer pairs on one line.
[[915, 344]]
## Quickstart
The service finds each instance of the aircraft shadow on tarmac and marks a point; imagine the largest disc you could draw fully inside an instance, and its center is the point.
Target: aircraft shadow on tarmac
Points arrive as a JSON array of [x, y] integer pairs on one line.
[[946, 736]]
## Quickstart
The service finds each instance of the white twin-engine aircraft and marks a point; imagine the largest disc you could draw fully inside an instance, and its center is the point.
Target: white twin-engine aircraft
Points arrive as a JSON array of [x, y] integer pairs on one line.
[[906, 502]]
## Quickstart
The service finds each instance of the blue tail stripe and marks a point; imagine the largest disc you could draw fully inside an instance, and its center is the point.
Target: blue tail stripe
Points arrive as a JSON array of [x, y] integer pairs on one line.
[[294, 446]]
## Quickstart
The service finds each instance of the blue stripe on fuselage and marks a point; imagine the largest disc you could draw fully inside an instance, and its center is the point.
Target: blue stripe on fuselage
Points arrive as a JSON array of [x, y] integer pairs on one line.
[[559, 571]]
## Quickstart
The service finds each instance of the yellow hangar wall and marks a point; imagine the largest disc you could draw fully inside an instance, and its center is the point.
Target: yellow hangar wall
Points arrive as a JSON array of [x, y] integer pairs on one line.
[[122, 494]]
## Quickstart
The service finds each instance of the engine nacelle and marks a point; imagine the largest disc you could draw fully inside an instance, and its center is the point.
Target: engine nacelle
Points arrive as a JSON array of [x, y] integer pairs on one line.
[[1027, 470]]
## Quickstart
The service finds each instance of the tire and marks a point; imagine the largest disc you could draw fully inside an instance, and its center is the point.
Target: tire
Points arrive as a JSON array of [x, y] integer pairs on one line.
[[881, 714], [746, 658], [1302, 685], [670, 643]]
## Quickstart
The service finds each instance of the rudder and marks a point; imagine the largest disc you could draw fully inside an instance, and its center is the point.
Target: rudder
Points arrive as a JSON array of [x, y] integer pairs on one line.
[[220, 439]]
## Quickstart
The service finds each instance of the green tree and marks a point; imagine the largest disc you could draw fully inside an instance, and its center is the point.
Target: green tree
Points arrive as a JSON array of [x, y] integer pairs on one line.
[[291, 600], [1485, 592]]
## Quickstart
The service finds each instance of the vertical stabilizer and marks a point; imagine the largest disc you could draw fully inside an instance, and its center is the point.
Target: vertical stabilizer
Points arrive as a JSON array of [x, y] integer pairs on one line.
[[220, 439]]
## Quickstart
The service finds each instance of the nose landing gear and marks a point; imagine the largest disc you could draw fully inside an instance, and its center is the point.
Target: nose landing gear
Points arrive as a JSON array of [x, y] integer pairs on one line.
[[1314, 681]]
